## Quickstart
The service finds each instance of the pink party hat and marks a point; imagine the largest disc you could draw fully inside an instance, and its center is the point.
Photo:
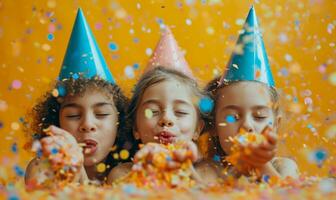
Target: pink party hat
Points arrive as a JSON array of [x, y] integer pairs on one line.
[[168, 54]]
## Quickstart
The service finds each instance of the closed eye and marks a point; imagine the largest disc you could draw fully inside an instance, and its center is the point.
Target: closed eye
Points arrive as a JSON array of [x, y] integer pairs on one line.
[[72, 116], [102, 114]]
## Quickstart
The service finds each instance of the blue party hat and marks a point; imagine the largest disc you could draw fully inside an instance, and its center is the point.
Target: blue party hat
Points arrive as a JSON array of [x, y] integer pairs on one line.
[[83, 57], [249, 60]]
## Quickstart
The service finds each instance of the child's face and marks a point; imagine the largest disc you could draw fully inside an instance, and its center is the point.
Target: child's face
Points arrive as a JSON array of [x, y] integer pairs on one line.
[[91, 119], [243, 105], [166, 113]]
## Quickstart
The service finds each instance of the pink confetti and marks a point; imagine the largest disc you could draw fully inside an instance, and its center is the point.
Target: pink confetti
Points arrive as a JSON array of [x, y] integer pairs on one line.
[[16, 84]]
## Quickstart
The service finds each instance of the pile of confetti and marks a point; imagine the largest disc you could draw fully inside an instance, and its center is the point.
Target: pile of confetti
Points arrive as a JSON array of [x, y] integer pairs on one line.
[[303, 188], [162, 169], [242, 140], [58, 156]]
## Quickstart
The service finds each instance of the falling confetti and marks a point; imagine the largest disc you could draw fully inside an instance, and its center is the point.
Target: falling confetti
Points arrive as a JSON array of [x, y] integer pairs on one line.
[[148, 113], [124, 154], [230, 119], [206, 104], [16, 84]]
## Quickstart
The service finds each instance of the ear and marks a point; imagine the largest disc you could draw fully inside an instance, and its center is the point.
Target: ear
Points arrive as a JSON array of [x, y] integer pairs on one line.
[[136, 135]]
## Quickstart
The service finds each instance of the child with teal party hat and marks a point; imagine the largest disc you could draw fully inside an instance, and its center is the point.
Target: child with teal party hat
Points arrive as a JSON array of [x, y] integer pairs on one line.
[[246, 115], [82, 121]]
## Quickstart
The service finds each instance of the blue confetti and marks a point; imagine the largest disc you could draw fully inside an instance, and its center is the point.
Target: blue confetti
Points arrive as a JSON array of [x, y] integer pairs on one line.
[[136, 40], [129, 189], [54, 151], [113, 46], [265, 178], [230, 119], [14, 148], [1, 124], [216, 158], [50, 36], [136, 66], [61, 90], [13, 197], [320, 155], [75, 76], [206, 105], [18, 170]]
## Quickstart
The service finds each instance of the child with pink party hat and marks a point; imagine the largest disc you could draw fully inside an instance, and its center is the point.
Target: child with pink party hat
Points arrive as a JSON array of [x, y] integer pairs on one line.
[[165, 109]]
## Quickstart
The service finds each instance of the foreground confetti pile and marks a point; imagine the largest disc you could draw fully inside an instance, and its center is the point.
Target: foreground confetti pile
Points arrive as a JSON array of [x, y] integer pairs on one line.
[[159, 171], [303, 188]]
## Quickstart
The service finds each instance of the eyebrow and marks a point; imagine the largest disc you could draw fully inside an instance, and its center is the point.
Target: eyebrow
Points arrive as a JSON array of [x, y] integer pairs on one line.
[[155, 101], [235, 107], [74, 105]]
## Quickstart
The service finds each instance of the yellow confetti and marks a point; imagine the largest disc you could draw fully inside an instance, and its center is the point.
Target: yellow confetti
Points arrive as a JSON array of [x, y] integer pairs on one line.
[[124, 154], [46, 47], [116, 156], [15, 126], [148, 113], [101, 167], [55, 93]]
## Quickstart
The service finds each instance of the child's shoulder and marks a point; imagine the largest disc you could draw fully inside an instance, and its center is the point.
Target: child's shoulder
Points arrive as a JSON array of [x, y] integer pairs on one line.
[[285, 166], [119, 171]]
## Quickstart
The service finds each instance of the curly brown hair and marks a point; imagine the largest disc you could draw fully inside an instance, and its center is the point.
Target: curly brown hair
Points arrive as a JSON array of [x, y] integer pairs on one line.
[[46, 112]]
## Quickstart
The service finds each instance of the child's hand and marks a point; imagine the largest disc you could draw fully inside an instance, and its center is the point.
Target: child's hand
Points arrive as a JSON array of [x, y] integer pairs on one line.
[[62, 149], [161, 157], [257, 156]]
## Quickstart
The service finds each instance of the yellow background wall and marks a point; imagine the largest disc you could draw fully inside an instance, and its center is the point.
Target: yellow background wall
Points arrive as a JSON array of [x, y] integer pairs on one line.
[[299, 37]]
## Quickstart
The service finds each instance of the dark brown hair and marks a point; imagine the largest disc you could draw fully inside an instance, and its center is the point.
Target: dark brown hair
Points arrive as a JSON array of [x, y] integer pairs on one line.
[[46, 112]]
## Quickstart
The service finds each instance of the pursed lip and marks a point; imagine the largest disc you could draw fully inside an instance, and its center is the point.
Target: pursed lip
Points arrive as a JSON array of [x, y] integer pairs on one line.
[[90, 146], [166, 137]]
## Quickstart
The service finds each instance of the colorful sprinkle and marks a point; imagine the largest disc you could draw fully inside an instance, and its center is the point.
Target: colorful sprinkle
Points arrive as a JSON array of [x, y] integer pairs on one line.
[[101, 167], [124, 154], [16, 84], [230, 119], [148, 113], [206, 104], [113, 46]]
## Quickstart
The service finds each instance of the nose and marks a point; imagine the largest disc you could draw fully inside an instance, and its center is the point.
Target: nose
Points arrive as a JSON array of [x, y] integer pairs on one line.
[[87, 124], [247, 124], [166, 120]]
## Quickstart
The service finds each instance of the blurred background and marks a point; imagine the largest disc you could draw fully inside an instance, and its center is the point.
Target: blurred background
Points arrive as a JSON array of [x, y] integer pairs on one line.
[[299, 37]]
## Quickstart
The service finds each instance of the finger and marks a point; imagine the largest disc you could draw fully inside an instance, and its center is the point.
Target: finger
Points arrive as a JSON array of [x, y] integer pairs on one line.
[[247, 161], [265, 155], [270, 136]]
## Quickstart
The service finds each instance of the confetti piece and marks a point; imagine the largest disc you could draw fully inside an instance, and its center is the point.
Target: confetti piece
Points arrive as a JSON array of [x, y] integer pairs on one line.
[[75, 76], [101, 167], [14, 148], [16, 84], [230, 119], [206, 104], [332, 78], [188, 22], [50, 37], [331, 132], [46, 47], [61, 90], [149, 51], [124, 154], [15, 126], [210, 30], [18, 170], [51, 3], [148, 113], [129, 72], [3, 105], [113, 46], [54, 93]]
